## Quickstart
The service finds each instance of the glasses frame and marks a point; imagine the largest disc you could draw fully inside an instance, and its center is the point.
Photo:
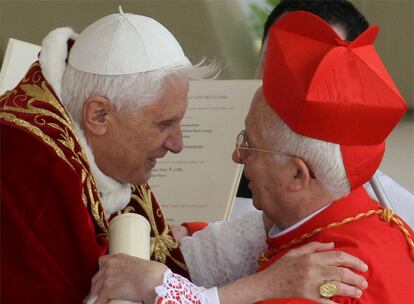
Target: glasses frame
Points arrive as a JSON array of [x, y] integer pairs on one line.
[[241, 140], [242, 144]]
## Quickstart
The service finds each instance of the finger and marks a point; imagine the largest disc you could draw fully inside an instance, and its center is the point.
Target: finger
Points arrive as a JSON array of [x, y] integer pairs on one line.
[[102, 292], [347, 290], [348, 277], [103, 260], [97, 276], [326, 301], [97, 283], [310, 248], [102, 299], [339, 258], [90, 300]]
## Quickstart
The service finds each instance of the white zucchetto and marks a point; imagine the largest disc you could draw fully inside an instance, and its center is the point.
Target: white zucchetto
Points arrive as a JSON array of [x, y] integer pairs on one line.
[[121, 44]]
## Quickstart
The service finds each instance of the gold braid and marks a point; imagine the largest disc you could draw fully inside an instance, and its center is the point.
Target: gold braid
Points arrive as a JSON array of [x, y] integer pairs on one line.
[[387, 215]]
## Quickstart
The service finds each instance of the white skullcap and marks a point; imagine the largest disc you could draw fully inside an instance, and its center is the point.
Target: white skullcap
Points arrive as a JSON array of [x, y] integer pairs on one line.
[[121, 44]]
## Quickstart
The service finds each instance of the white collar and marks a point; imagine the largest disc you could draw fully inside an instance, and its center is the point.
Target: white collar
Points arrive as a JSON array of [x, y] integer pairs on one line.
[[276, 231]]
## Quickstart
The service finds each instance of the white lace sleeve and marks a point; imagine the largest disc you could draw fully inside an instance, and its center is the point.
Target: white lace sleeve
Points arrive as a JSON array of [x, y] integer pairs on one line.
[[178, 290], [225, 251]]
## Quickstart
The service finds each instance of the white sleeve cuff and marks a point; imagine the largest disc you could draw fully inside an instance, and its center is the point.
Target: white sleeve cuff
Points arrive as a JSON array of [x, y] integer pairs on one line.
[[176, 289]]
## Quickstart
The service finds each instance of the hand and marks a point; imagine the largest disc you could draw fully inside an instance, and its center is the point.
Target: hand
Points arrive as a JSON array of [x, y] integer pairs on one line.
[[124, 277], [179, 232], [305, 268], [298, 274]]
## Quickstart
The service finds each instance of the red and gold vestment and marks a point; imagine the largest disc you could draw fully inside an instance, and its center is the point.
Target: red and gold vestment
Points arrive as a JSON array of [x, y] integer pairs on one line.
[[359, 226], [53, 226]]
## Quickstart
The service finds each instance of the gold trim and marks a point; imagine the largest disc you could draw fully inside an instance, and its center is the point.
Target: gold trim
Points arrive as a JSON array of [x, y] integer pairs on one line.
[[35, 130], [68, 137], [129, 209], [43, 93], [99, 216], [161, 244], [386, 215], [39, 94]]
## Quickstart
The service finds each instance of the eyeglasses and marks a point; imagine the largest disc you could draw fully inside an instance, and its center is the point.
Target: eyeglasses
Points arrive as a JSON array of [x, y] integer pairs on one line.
[[242, 144]]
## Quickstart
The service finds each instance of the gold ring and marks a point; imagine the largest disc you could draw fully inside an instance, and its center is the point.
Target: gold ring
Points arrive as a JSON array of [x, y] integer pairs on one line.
[[327, 289]]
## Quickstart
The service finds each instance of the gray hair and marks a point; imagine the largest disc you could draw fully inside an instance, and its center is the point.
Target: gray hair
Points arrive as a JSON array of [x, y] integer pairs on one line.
[[127, 91], [324, 158]]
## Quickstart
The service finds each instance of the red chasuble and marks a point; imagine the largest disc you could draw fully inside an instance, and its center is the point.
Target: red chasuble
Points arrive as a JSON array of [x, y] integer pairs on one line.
[[53, 226], [358, 226]]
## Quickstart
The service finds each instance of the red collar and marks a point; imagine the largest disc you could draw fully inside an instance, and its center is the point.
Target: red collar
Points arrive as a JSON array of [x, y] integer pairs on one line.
[[356, 202]]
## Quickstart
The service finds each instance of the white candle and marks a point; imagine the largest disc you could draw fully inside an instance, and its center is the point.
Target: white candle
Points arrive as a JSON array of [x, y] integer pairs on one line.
[[129, 233]]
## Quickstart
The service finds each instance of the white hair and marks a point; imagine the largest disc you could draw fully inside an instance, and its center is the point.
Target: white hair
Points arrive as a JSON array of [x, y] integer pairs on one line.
[[127, 91], [324, 158]]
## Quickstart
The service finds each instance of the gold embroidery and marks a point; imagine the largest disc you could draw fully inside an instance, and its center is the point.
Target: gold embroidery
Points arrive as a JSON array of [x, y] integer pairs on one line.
[[386, 215], [159, 213], [68, 136], [99, 216], [161, 244], [84, 199], [83, 176], [28, 75], [35, 130], [146, 204], [89, 181], [43, 93], [129, 209], [6, 95], [39, 94], [66, 139]]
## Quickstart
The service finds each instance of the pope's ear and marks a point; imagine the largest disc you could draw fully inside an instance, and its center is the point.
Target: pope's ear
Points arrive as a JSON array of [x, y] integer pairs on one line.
[[96, 111]]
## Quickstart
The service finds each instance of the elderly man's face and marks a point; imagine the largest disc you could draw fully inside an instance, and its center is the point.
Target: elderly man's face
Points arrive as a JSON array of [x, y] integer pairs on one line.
[[134, 140], [268, 177]]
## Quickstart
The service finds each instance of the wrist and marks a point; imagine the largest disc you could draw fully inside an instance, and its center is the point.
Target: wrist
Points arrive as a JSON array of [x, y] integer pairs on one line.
[[177, 289], [251, 289], [264, 287], [162, 272]]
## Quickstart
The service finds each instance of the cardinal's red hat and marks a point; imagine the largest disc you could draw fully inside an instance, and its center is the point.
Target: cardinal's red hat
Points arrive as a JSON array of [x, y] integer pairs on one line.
[[333, 90]]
